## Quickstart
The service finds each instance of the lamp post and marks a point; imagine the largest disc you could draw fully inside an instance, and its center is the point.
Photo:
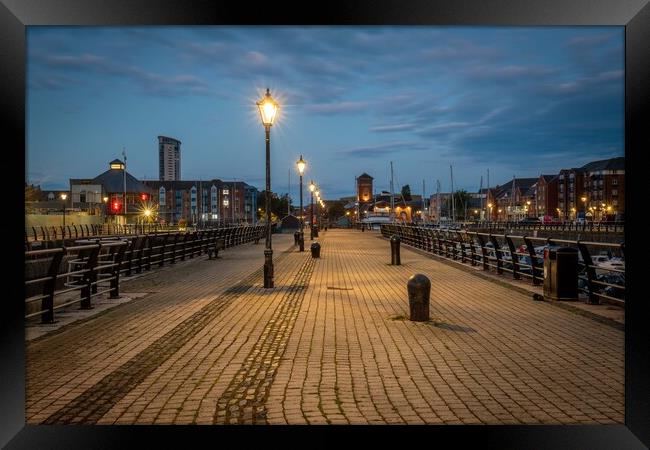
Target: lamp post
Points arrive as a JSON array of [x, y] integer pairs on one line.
[[312, 188], [147, 215], [317, 192], [63, 197], [489, 212], [301, 163], [268, 108]]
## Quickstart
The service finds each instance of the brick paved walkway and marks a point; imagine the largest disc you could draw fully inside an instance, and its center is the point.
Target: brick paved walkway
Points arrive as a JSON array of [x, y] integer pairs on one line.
[[330, 344]]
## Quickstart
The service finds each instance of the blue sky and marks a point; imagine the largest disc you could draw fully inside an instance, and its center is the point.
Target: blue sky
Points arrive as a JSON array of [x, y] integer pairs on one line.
[[517, 101]]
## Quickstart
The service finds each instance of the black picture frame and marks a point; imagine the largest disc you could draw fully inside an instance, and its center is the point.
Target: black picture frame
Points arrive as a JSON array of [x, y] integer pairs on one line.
[[633, 14]]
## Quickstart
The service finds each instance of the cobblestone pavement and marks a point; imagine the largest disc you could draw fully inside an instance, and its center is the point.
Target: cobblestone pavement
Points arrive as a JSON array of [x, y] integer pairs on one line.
[[332, 343]]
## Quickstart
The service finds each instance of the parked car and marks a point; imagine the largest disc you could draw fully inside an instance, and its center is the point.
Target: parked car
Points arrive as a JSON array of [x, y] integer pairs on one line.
[[529, 220]]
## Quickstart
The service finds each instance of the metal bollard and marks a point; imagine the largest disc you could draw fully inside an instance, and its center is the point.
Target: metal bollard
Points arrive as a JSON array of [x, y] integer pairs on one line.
[[419, 289], [301, 242], [315, 250], [394, 251], [315, 231], [296, 237]]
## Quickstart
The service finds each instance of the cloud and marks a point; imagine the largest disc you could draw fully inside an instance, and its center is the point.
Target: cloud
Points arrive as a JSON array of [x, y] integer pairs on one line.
[[372, 151], [596, 39], [149, 82], [392, 128], [337, 108]]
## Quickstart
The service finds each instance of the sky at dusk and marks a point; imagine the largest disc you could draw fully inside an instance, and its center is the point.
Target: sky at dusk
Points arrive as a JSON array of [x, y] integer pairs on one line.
[[514, 100]]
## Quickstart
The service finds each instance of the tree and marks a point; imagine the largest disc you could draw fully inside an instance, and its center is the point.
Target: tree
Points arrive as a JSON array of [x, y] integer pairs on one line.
[[335, 210], [278, 205], [406, 193]]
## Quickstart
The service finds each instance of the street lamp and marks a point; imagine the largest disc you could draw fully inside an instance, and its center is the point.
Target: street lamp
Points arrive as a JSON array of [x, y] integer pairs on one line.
[[63, 197], [301, 163], [312, 188], [490, 211], [268, 108], [527, 208], [147, 214]]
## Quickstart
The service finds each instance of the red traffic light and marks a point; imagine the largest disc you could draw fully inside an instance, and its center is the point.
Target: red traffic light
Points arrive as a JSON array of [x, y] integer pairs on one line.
[[116, 206], [143, 197]]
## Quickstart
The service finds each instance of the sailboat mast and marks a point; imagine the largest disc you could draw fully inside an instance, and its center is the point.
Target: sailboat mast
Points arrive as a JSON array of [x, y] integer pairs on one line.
[[438, 201], [453, 200], [480, 196], [392, 195], [422, 213]]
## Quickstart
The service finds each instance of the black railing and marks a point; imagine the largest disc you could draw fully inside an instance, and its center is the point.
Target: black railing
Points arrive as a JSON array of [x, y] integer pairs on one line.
[[99, 262], [39, 237], [601, 265], [607, 227]]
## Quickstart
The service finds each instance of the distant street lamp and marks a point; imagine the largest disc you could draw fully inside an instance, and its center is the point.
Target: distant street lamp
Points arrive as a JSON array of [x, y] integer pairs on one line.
[[268, 108], [105, 209], [147, 215], [63, 197], [489, 211], [527, 208], [312, 188], [301, 163]]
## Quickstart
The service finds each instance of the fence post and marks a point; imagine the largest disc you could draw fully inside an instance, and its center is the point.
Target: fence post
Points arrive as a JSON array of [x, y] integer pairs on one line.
[[162, 250], [534, 266], [115, 272], [497, 252], [591, 273], [89, 277], [514, 256], [174, 241], [47, 303]]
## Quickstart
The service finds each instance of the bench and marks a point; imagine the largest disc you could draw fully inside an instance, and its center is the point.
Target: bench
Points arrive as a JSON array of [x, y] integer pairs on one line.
[[219, 244]]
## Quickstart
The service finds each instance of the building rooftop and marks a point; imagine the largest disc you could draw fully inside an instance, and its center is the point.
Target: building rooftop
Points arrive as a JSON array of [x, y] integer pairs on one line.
[[605, 164]]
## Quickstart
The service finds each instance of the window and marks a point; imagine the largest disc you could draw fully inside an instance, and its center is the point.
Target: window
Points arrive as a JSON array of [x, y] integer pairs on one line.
[[614, 191], [225, 192], [614, 181], [615, 202], [161, 196], [82, 197]]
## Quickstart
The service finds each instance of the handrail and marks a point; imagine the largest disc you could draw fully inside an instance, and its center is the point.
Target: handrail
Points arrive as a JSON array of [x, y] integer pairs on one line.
[[104, 261], [517, 255]]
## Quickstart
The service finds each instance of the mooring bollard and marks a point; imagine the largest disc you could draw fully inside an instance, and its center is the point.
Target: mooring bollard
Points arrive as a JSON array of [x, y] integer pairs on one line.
[[394, 250], [315, 250], [315, 231], [296, 237], [301, 242], [419, 289]]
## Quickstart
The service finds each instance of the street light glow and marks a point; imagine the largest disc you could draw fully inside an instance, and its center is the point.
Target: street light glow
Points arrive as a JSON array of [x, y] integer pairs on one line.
[[301, 163], [64, 196], [312, 186], [268, 109]]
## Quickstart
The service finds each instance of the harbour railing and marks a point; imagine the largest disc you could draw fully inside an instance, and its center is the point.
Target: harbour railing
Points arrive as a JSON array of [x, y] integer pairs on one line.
[[601, 266], [62, 276]]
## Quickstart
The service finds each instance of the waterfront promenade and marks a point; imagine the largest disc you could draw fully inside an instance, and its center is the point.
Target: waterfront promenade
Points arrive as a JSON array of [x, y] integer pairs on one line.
[[331, 343]]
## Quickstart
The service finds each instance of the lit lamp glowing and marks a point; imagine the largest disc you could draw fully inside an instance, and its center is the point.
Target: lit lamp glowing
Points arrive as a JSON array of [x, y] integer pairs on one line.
[[312, 188], [268, 109], [490, 211], [301, 164], [64, 196], [147, 214]]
